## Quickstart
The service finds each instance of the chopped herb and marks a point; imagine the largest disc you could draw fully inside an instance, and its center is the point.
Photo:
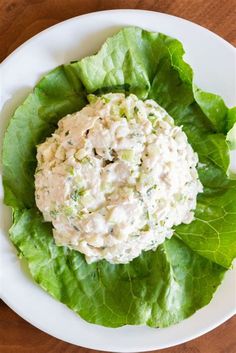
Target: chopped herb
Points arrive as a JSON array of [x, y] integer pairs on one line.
[[67, 133], [70, 143], [54, 213], [150, 189], [136, 235], [76, 194]]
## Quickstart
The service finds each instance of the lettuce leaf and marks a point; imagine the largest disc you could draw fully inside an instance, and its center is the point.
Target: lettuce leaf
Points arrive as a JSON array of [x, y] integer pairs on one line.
[[159, 288], [56, 95]]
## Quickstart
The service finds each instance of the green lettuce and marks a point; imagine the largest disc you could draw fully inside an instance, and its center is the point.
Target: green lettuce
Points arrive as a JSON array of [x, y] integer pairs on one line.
[[158, 288]]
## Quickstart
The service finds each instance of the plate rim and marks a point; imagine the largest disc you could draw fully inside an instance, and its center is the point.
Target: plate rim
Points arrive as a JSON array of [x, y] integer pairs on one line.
[[151, 347], [94, 13]]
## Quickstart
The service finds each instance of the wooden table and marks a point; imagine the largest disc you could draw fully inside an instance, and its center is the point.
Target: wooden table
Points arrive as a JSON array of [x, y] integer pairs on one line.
[[20, 20]]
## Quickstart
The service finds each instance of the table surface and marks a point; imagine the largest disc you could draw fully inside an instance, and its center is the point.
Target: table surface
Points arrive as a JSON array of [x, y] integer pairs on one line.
[[20, 20]]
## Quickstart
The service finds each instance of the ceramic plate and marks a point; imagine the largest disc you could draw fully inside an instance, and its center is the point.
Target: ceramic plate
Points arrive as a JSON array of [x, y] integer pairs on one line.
[[213, 61]]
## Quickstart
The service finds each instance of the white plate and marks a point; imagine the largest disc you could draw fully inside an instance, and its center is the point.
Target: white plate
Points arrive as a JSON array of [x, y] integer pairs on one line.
[[213, 60]]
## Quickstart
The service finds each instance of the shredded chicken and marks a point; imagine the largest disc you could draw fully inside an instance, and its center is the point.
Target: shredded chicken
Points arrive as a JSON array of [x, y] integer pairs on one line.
[[116, 177]]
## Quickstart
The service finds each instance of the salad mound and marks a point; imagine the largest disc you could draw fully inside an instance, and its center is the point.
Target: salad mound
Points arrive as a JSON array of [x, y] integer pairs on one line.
[[115, 178], [158, 288]]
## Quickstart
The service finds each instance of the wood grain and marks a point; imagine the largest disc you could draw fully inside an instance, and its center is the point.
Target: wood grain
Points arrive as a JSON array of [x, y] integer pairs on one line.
[[19, 21], [18, 336]]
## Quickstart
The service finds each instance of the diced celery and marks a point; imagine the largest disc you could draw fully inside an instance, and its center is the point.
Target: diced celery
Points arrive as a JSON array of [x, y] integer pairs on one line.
[[162, 222], [80, 215], [106, 187], [81, 154], [147, 215], [151, 188], [68, 211], [127, 155], [92, 98], [115, 110], [178, 197], [70, 170], [79, 182], [106, 99], [152, 118], [146, 179], [122, 112], [85, 160], [146, 228], [129, 191], [87, 199]]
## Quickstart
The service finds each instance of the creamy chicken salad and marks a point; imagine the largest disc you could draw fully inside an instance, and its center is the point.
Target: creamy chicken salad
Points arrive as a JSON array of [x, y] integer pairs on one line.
[[116, 177]]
